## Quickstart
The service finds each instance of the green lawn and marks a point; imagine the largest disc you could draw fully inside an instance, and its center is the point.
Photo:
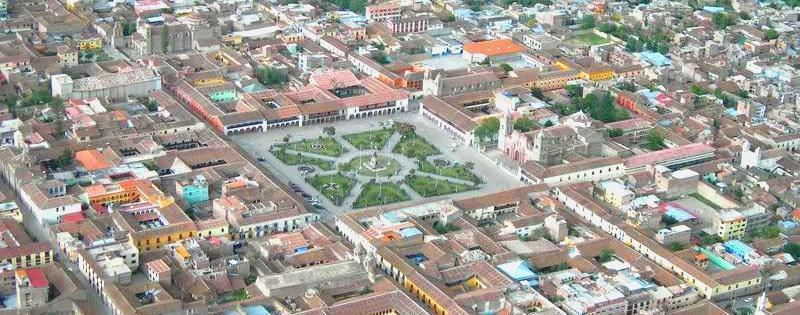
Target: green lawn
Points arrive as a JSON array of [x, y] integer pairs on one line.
[[375, 194], [456, 171], [335, 187], [370, 140], [414, 146], [430, 187], [388, 166], [323, 146], [299, 159], [591, 38], [705, 201]]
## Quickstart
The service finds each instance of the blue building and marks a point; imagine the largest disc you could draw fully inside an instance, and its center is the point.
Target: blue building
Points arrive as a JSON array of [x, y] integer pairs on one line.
[[193, 191], [738, 249], [520, 271]]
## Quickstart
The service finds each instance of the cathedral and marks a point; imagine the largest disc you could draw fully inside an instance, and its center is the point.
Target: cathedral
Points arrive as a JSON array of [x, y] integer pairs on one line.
[[549, 146]]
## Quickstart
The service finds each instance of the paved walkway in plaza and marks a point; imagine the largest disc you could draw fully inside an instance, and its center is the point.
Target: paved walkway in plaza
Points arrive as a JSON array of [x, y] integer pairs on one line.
[[495, 178]]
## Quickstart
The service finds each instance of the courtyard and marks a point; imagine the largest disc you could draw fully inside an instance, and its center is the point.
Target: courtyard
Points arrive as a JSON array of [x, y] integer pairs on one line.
[[589, 39], [375, 161]]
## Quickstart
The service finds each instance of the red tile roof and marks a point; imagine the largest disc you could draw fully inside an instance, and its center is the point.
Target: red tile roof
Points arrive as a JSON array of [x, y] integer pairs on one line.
[[668, 154], [92, 160], [497, 47], [37, 278]]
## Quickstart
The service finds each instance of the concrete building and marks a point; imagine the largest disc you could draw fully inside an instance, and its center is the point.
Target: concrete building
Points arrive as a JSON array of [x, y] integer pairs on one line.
[[615, 193], [32, 288], [729, 224], [158, 271], [383, 12], [157, 37], [677, 234], [194, 191], [581, 294], [117, 85], [548, 146], [556, 227], [675, 183], [497, 50], [49, 201]]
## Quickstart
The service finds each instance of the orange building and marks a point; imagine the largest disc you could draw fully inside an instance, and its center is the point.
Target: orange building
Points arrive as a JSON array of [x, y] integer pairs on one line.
[[92, 160], [127, 191], [495, 50]]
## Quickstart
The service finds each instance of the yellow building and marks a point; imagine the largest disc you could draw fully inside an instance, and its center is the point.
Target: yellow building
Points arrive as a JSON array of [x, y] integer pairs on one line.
[[213, 227], [127, 191], [597, 73], [26, 256], [90, 44], [151, 228], [206, 78], [731, 224], [11, 210], [589, 69]]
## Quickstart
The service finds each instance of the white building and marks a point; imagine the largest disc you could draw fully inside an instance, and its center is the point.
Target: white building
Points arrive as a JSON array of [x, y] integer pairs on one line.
[[133, 82], [49, 201]]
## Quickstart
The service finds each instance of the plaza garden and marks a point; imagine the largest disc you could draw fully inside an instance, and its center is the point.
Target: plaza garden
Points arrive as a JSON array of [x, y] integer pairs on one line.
[[327, 146], [375, 167], [376, 194], [370, 140], [336, 187]]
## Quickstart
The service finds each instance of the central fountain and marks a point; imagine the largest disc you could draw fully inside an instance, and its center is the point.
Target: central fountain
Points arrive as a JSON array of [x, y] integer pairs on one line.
[[374, 165]]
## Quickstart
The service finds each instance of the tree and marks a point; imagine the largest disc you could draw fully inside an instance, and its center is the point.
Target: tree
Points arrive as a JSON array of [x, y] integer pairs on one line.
[[574, 90], [676, 246], [450, 18], [743, 94], [633, 45], [602, 108], [769, 232], [698, 90], [771, 34], [523, 124], [57, 108], [329, 131], [668, 220], [606, 27], [475, 5], [537, 93], [710, 239], [615, 132], [548, 123], [37, 97], [506, 67], [744, 16], [444, 228], [606, 255], [723, 20], [128, 28], [654, 141], [587, 22], [165, 38], [524, 3], [405, 129], [64, 159], [358, 6], [380, 57], [792, 249], [270, 76], [488, 128], [151, 105]]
